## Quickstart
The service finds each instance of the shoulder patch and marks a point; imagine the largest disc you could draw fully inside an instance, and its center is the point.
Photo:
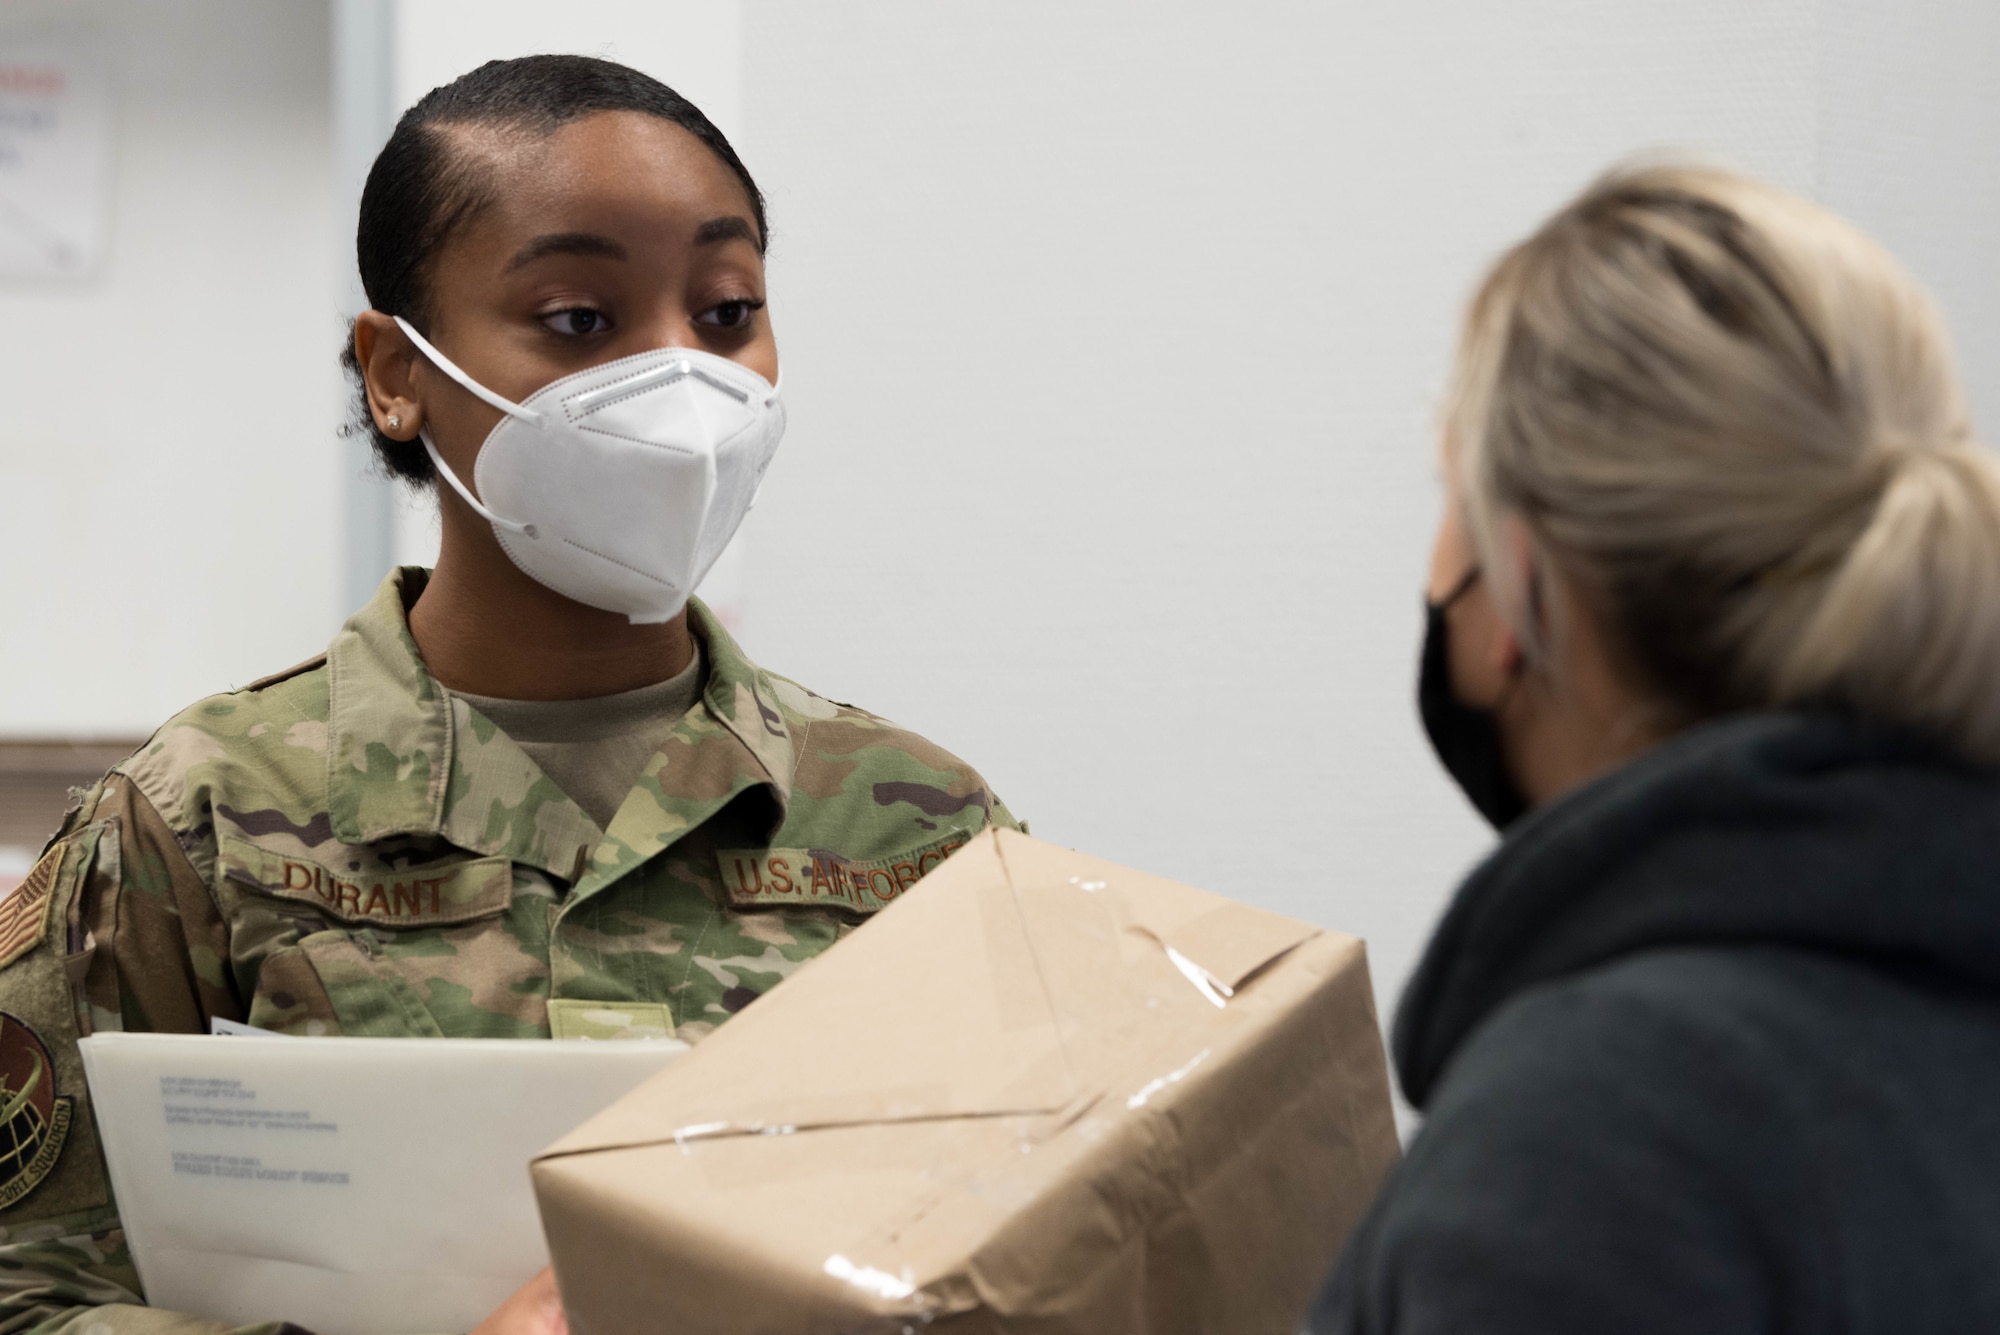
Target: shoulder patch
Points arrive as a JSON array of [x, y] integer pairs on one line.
[[34, 1119], [24, 914], [294, 670]]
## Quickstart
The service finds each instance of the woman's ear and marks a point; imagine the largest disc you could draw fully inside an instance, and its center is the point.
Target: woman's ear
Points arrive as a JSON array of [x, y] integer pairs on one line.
[[1506, 651], [1520, 598], [386, 358]]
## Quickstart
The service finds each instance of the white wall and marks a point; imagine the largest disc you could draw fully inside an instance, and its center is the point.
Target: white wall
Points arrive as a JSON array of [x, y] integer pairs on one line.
[[1909, 120], [166, 454], [1111, 338], [694, 45], [1111, 335]]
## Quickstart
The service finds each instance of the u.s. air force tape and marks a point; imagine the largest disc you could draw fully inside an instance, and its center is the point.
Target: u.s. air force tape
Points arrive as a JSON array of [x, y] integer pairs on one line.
[[768, 877]]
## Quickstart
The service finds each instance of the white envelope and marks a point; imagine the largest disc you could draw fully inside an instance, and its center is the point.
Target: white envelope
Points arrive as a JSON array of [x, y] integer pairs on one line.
[[354, 1186]]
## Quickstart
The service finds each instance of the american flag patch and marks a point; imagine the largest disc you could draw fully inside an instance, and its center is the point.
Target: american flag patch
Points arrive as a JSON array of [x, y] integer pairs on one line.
[[24, 914]]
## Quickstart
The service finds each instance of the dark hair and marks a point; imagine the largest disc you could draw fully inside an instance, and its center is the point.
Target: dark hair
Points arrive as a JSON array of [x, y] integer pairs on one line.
[[421, 191]]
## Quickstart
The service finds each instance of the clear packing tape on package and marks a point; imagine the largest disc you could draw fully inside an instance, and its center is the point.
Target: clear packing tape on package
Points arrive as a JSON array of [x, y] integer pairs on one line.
[[1041, 1092]]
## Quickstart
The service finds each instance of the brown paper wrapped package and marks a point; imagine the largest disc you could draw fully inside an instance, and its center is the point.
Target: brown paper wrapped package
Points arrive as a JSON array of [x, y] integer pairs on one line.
[[1039, 1093]]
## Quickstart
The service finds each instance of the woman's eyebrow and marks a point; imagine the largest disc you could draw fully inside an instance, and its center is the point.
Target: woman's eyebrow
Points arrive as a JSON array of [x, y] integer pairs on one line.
[[566, 243], [725, 229]]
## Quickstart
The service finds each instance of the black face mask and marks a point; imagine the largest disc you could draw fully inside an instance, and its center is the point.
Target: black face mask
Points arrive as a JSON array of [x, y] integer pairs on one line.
[[1467, 740]]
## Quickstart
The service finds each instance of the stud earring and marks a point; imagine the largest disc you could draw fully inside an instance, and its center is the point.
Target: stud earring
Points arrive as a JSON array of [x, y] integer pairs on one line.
[[395, 422]]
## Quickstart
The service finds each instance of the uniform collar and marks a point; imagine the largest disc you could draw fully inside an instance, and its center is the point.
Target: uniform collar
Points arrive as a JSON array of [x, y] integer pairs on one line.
[[405, 758]]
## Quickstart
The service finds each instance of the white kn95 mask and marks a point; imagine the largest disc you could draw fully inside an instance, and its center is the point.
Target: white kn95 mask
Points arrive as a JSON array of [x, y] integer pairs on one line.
[[620, 485]]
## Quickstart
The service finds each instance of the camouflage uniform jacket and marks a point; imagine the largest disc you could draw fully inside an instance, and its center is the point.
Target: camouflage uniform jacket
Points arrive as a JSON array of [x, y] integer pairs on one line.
[[346, 848]]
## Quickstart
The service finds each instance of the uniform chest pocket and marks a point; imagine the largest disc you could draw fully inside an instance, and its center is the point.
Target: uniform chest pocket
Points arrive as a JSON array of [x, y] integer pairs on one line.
[[425, 895]]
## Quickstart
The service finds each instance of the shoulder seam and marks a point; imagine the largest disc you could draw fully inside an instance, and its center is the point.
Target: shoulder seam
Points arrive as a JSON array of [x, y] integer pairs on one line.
[[286, 674], [804, 689], [140, 795]]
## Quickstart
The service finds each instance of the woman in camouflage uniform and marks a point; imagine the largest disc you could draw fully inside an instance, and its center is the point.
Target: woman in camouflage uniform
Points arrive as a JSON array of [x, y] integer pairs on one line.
[[487, 810]]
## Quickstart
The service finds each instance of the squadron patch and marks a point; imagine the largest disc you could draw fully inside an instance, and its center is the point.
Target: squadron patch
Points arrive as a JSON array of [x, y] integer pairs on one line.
[[34, 1119], [24, 914]]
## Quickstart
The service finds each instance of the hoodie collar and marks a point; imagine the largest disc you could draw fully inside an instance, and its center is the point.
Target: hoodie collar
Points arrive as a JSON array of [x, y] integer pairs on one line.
[[1802, 830]]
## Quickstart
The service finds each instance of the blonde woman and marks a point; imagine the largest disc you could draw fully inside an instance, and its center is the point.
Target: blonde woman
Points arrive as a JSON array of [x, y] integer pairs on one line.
[[1712, 1042]]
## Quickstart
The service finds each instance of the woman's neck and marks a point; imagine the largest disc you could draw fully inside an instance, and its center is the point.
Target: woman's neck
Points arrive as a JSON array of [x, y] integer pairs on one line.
[[485, 628], [1568, 726]]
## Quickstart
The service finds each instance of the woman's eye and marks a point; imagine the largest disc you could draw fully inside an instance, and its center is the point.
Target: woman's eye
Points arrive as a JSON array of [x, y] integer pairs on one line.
[[581, 320], [730, 314]]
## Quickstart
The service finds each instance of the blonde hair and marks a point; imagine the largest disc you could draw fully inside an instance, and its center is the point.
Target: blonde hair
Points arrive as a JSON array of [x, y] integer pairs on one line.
[[1733, 421]]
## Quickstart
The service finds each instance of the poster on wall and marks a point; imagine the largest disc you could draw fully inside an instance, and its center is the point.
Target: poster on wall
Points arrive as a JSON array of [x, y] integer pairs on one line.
[[55, 157]]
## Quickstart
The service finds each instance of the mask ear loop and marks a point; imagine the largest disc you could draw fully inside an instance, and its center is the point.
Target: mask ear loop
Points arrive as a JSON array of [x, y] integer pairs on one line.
[[770, 402], [479, 391], [1519, 671], [1458, 590], [444, 471]]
